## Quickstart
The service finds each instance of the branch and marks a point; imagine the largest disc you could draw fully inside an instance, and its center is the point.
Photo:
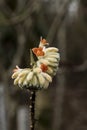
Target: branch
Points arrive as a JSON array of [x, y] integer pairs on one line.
[[14, 19], [67, 67], [81, 67], [59, 18], [60, 80], [21, 46]]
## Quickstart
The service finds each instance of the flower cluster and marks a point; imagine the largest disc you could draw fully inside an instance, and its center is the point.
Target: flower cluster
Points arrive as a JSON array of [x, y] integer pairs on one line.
[[40, 74]]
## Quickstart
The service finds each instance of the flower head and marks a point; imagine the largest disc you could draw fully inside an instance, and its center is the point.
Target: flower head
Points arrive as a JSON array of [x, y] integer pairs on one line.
[[38, 51], [40, 74]]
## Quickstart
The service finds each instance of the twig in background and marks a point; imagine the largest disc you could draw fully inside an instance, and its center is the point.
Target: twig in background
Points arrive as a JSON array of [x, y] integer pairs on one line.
[[58, 20], [23, 118], [60, 89], [20, 47]]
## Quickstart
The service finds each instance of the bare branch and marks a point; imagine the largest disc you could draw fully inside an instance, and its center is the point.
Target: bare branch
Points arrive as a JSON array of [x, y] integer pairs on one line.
[[81, 67], [21, 45], [61, 79], [59, 18], [16, 19], [66, 67], [2, 2]]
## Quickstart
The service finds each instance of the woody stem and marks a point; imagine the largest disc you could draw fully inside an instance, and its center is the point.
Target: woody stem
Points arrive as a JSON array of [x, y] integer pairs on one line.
[[32, 109]]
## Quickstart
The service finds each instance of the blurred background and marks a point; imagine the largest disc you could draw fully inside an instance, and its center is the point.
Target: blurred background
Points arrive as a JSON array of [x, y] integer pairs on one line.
[[64, 24]]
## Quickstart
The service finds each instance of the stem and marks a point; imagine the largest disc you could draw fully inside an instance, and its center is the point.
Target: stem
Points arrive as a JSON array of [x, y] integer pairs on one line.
[[32, 109]]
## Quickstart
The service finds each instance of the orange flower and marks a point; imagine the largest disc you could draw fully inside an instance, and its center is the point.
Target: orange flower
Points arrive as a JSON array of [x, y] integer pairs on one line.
[[43, 41], [44, 67], [38, 51]]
